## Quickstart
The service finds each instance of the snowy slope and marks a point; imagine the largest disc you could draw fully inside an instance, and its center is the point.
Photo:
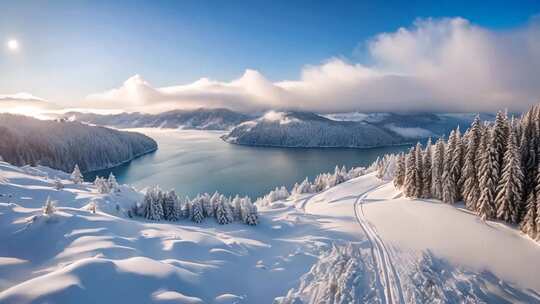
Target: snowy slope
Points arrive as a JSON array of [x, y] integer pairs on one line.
[[351, 243], [298, 129]]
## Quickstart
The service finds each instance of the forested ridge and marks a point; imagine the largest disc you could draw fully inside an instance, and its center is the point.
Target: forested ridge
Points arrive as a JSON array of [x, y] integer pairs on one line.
[[62, 144]]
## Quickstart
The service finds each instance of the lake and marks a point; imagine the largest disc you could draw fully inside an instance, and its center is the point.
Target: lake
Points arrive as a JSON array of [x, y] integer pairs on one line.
[[194, 162]]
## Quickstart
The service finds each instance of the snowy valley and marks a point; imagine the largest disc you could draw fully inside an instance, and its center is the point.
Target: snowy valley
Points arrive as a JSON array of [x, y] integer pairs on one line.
[[359, 241]]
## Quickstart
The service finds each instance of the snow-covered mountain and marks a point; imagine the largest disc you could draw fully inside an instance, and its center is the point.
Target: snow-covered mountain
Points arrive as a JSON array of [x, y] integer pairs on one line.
[[357, 242], [360, 130], [202, 119], [62, 144]]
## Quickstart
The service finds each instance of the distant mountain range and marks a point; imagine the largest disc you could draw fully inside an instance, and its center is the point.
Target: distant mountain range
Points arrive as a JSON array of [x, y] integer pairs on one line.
[[199, 119], [295, 129], [355, 130]]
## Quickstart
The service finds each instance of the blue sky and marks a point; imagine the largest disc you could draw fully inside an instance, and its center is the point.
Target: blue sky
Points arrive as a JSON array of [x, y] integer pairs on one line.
[[70, 49]]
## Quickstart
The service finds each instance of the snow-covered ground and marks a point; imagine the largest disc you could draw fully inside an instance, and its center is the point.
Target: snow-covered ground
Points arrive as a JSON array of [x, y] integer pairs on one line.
[[358, 242]]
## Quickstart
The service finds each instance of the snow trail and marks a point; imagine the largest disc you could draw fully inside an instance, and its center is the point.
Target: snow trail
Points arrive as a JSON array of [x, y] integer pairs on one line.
[[389, 278]]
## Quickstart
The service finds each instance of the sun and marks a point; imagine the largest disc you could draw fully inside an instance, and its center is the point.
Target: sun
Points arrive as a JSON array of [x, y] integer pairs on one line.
[[13, 45]]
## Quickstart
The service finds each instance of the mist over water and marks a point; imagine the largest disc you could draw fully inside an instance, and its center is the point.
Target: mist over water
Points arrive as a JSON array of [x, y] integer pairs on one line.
[[194, 162]]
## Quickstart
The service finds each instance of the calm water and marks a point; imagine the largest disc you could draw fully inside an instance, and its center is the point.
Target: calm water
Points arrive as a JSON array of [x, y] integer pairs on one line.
[[194, 162]]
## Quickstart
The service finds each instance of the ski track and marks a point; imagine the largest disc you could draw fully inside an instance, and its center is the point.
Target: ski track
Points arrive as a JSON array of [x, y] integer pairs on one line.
[[388, 277]]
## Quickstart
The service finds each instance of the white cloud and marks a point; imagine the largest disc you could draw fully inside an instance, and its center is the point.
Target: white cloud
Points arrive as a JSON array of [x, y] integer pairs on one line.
[[413, 132], [25, 104], [435, 65], [20, 97]]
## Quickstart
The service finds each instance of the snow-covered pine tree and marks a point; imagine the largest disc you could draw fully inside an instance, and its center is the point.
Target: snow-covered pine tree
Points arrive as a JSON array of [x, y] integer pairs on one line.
[[344, 173], [411, 174], [76, 175], [49, 208], [529, 224], [197, 214], [437, 168], [113, 184], [170, 206], [58, 184], [509, 190], [186, 208], [338, 176], [426, 171], [212, 205], [153, 209], [487, 179], [399, 175], [501, 131], [457, 162], [449, 185], [531, 221], [379, 168], [249, 212], [419, 170], [101, 185], [529, 150], [223, 213], [469, 176], [237, 207]]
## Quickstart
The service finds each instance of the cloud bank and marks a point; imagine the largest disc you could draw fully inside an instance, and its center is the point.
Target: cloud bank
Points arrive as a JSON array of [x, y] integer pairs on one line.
[[24, 103], [446, 65]]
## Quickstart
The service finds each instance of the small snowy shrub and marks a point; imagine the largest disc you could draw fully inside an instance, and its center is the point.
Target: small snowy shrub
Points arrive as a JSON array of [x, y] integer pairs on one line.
[[58, 184], [49, 208], [76, 175]]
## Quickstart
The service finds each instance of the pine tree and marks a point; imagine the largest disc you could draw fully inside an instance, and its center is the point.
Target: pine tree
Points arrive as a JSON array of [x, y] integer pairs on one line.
[[426, 171], [501, 130], [223, 213], [58, 184], [469, 176], [529, 150], [411, 174], [249, 212], [399, 175], [486, 176], [153, 209], [419, 170], [529, 224], [186, 209], [196, 214], [49, 208], [101, 185], [509, 191], [437, 169], [338, 177], [76, 175], [449, 184], [113, 184], [171, 211], [237, 207], [457, 162]]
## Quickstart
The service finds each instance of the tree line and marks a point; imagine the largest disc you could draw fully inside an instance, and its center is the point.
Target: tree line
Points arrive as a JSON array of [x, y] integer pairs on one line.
[[493, 167], [167, 205]]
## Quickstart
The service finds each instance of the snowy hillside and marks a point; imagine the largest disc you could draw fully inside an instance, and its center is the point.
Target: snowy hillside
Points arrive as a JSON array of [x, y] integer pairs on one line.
[[357, 242], [62, 144], [201, 119], [296, 129], [360, 130]]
